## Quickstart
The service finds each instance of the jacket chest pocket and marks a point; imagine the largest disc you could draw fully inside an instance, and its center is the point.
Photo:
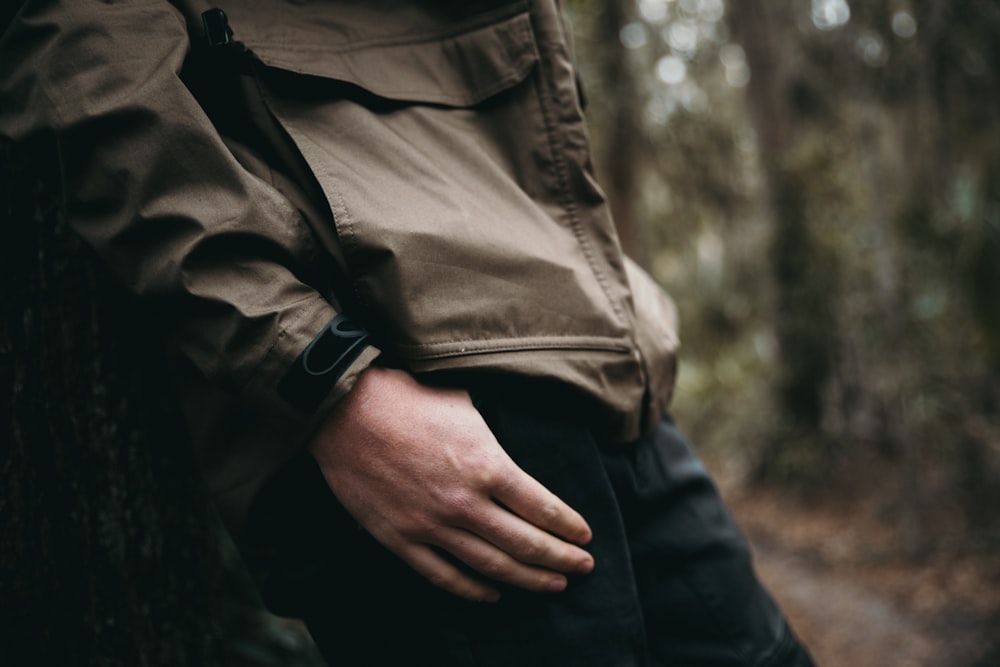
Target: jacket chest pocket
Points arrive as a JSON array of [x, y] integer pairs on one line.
[[434, 152]]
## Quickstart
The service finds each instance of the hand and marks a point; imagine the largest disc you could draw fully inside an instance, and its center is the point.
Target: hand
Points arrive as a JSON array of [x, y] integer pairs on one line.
[[419, 468]]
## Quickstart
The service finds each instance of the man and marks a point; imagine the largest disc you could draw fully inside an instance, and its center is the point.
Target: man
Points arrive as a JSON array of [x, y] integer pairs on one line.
[[420, 373]]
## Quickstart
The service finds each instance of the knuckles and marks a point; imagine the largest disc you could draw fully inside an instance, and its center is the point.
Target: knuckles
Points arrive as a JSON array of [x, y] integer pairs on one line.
[[534, 552], [443, 580], [457, 505], [494, 567], [549, 515], [488, 477]]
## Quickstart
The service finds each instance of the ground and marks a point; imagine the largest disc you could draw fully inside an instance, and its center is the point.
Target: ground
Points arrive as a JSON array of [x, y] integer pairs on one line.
[[856, 599]]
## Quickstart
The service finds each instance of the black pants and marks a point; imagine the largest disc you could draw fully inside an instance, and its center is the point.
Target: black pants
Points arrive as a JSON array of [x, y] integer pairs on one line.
[[672, 584]]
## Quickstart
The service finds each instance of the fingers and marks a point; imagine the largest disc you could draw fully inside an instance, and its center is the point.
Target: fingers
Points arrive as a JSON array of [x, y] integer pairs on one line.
[[486, 559], [500, 564], [528, 544], [444, 575], [540, 507], [495, 542]]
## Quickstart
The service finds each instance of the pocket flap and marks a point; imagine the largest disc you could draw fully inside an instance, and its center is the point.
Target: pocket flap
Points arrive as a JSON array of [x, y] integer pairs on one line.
[[454, 69]]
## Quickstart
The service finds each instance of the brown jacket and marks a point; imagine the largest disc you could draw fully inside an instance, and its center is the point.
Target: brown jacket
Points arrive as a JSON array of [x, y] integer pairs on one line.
[[421, 164]]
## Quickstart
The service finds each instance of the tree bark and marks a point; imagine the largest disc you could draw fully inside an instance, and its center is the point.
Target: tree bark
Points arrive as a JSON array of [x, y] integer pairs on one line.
[[109, 551]]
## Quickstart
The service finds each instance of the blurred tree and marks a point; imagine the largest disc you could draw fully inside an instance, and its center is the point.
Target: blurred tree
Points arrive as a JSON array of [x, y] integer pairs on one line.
[[622, 158], [803, 270], [816, 183]]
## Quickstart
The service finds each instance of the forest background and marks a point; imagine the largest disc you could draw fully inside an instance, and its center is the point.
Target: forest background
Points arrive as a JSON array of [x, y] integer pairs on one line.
[[817, 184]]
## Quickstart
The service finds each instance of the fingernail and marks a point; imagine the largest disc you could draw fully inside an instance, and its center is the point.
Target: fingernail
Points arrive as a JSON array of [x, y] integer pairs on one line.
[[557, 585], [586, 566]]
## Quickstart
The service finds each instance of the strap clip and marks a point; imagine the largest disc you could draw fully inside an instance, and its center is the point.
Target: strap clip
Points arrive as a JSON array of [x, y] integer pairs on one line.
[[217, 29]]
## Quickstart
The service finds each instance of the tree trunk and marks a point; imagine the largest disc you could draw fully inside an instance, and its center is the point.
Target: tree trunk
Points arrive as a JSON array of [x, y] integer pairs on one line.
[[621, 157], [803, 273], [109, 551]]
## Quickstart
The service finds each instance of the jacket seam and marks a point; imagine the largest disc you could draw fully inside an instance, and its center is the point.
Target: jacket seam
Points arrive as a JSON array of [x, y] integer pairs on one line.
[[565, 196], [524, 346]]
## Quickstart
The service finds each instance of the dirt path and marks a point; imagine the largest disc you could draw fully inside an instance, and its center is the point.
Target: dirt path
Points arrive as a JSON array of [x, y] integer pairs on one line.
[[842, 621], [856, 614]]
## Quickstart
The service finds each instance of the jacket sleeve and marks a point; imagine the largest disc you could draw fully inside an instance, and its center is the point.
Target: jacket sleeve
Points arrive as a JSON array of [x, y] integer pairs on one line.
[[151, 186]]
